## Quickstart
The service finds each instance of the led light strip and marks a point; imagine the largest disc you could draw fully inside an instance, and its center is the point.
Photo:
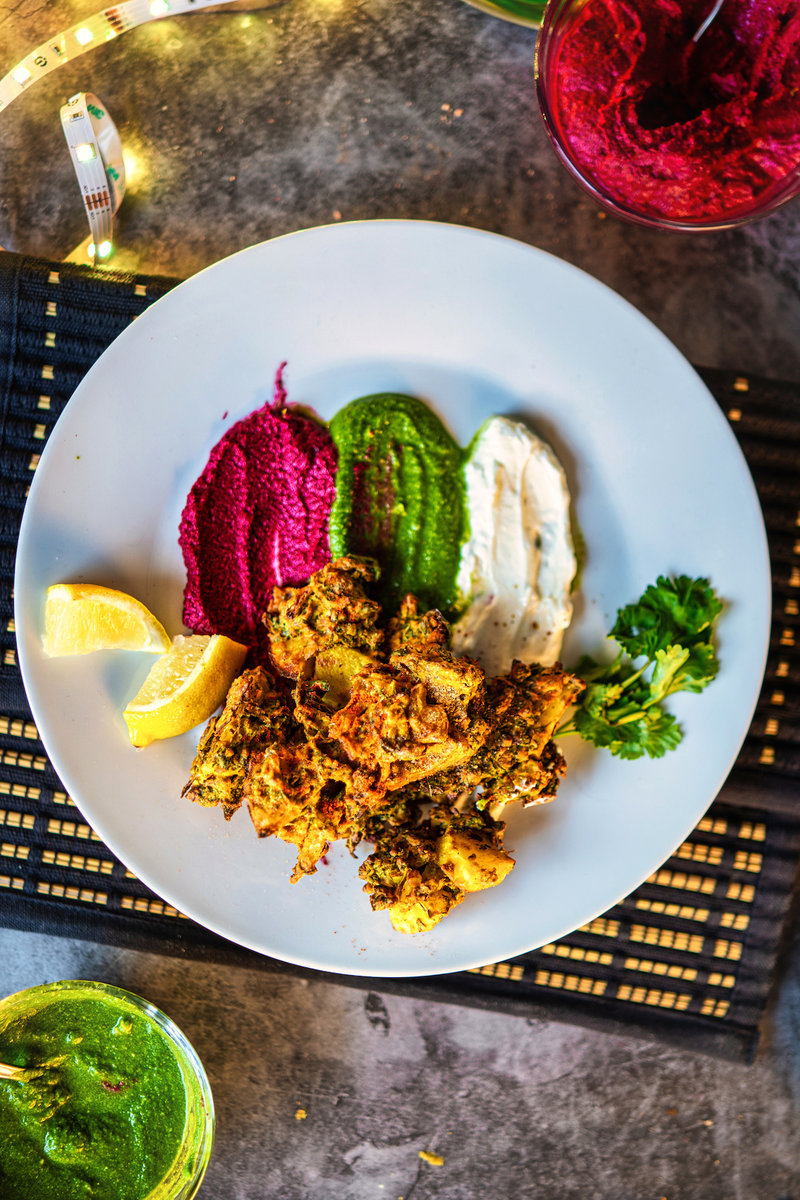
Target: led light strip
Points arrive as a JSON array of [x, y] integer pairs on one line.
[[100, 28], [96, 151]]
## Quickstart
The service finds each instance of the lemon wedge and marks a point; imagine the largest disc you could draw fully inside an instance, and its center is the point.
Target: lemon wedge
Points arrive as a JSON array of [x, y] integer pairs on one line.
[[82, 617], [184, 687]]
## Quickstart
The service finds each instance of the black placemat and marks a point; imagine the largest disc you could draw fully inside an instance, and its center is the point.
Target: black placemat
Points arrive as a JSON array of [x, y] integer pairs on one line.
[[689, 957]]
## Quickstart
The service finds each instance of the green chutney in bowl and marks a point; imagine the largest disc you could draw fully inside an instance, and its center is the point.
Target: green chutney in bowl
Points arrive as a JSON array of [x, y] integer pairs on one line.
[[113, 1103]]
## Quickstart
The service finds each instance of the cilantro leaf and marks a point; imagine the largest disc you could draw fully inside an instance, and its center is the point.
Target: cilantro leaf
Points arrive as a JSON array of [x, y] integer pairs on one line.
[[663, 732], [666, 646], [652, 732], [668, 668], [701, 667], [671, 612]]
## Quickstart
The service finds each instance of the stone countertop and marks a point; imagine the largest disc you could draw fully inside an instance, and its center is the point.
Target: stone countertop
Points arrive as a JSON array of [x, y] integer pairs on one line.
[[244, 123]]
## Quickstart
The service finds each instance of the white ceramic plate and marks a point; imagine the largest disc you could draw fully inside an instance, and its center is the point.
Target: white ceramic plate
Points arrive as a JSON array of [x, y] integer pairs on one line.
[[476, 324]]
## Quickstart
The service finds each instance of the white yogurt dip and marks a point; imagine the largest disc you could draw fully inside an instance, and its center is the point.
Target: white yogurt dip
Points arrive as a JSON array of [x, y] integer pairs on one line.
[[518, 563]]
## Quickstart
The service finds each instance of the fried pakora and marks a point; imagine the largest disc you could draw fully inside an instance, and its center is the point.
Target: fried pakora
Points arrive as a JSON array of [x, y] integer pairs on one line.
[[518, 760], [421, 870], [373, 731], [256, 753], [290, 797], [332, 609], [256, 715], [457, 684], [409, 718], [411, 629]]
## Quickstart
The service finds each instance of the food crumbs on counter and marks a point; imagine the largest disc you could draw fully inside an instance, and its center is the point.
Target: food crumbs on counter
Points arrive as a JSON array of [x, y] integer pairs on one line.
[[435, 1160], [300, 1115]]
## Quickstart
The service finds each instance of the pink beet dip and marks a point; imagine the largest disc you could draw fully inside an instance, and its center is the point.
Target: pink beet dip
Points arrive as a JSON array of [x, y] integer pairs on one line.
[[672, 127], [256, 517]]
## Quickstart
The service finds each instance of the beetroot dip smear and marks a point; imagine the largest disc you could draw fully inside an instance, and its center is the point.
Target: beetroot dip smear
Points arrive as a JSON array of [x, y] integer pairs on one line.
[[674, 128], [257, 517]]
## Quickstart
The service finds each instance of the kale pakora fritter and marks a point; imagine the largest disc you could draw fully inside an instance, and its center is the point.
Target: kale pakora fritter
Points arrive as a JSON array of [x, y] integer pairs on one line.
[[371, 730], [256, 715], [255, 753], [518, 760], [409, 718], [410, 629], [419, 871], [333, 609]]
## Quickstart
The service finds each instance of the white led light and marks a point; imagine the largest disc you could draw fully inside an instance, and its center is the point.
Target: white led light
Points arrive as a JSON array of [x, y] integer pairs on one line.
[[96, 152], [102, 26]]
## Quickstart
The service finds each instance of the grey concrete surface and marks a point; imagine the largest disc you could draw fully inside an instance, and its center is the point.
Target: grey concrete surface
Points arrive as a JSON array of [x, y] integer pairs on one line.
[[515, 1108], [248, 124]]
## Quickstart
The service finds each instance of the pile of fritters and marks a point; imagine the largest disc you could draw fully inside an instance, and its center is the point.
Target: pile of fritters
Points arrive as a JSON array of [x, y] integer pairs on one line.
[[364, 728]]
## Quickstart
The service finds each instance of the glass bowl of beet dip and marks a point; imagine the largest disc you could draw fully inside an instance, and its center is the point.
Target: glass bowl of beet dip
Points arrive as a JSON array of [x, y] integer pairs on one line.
[[112, 1103], [669, 120]]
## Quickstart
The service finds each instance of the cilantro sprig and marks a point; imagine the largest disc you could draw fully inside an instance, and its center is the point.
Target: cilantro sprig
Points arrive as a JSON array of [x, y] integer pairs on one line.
[[665, 645]]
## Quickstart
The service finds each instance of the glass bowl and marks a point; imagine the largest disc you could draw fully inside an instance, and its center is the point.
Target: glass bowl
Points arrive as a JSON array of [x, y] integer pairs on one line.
[[21, 1016], [635, 112]]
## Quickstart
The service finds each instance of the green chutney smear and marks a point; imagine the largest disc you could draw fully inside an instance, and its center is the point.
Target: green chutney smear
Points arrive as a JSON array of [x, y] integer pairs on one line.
[[399, 496], [104, 1111]]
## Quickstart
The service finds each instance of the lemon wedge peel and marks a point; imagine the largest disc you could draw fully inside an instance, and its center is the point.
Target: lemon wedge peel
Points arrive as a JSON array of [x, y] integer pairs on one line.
[[184, 687], [81, 618]]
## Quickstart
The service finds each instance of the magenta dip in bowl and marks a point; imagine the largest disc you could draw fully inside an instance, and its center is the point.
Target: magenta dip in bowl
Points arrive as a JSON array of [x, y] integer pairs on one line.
[[669, 124]]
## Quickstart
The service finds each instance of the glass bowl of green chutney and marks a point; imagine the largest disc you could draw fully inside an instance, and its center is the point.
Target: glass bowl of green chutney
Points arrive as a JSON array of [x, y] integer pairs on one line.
[[112, 1101]]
